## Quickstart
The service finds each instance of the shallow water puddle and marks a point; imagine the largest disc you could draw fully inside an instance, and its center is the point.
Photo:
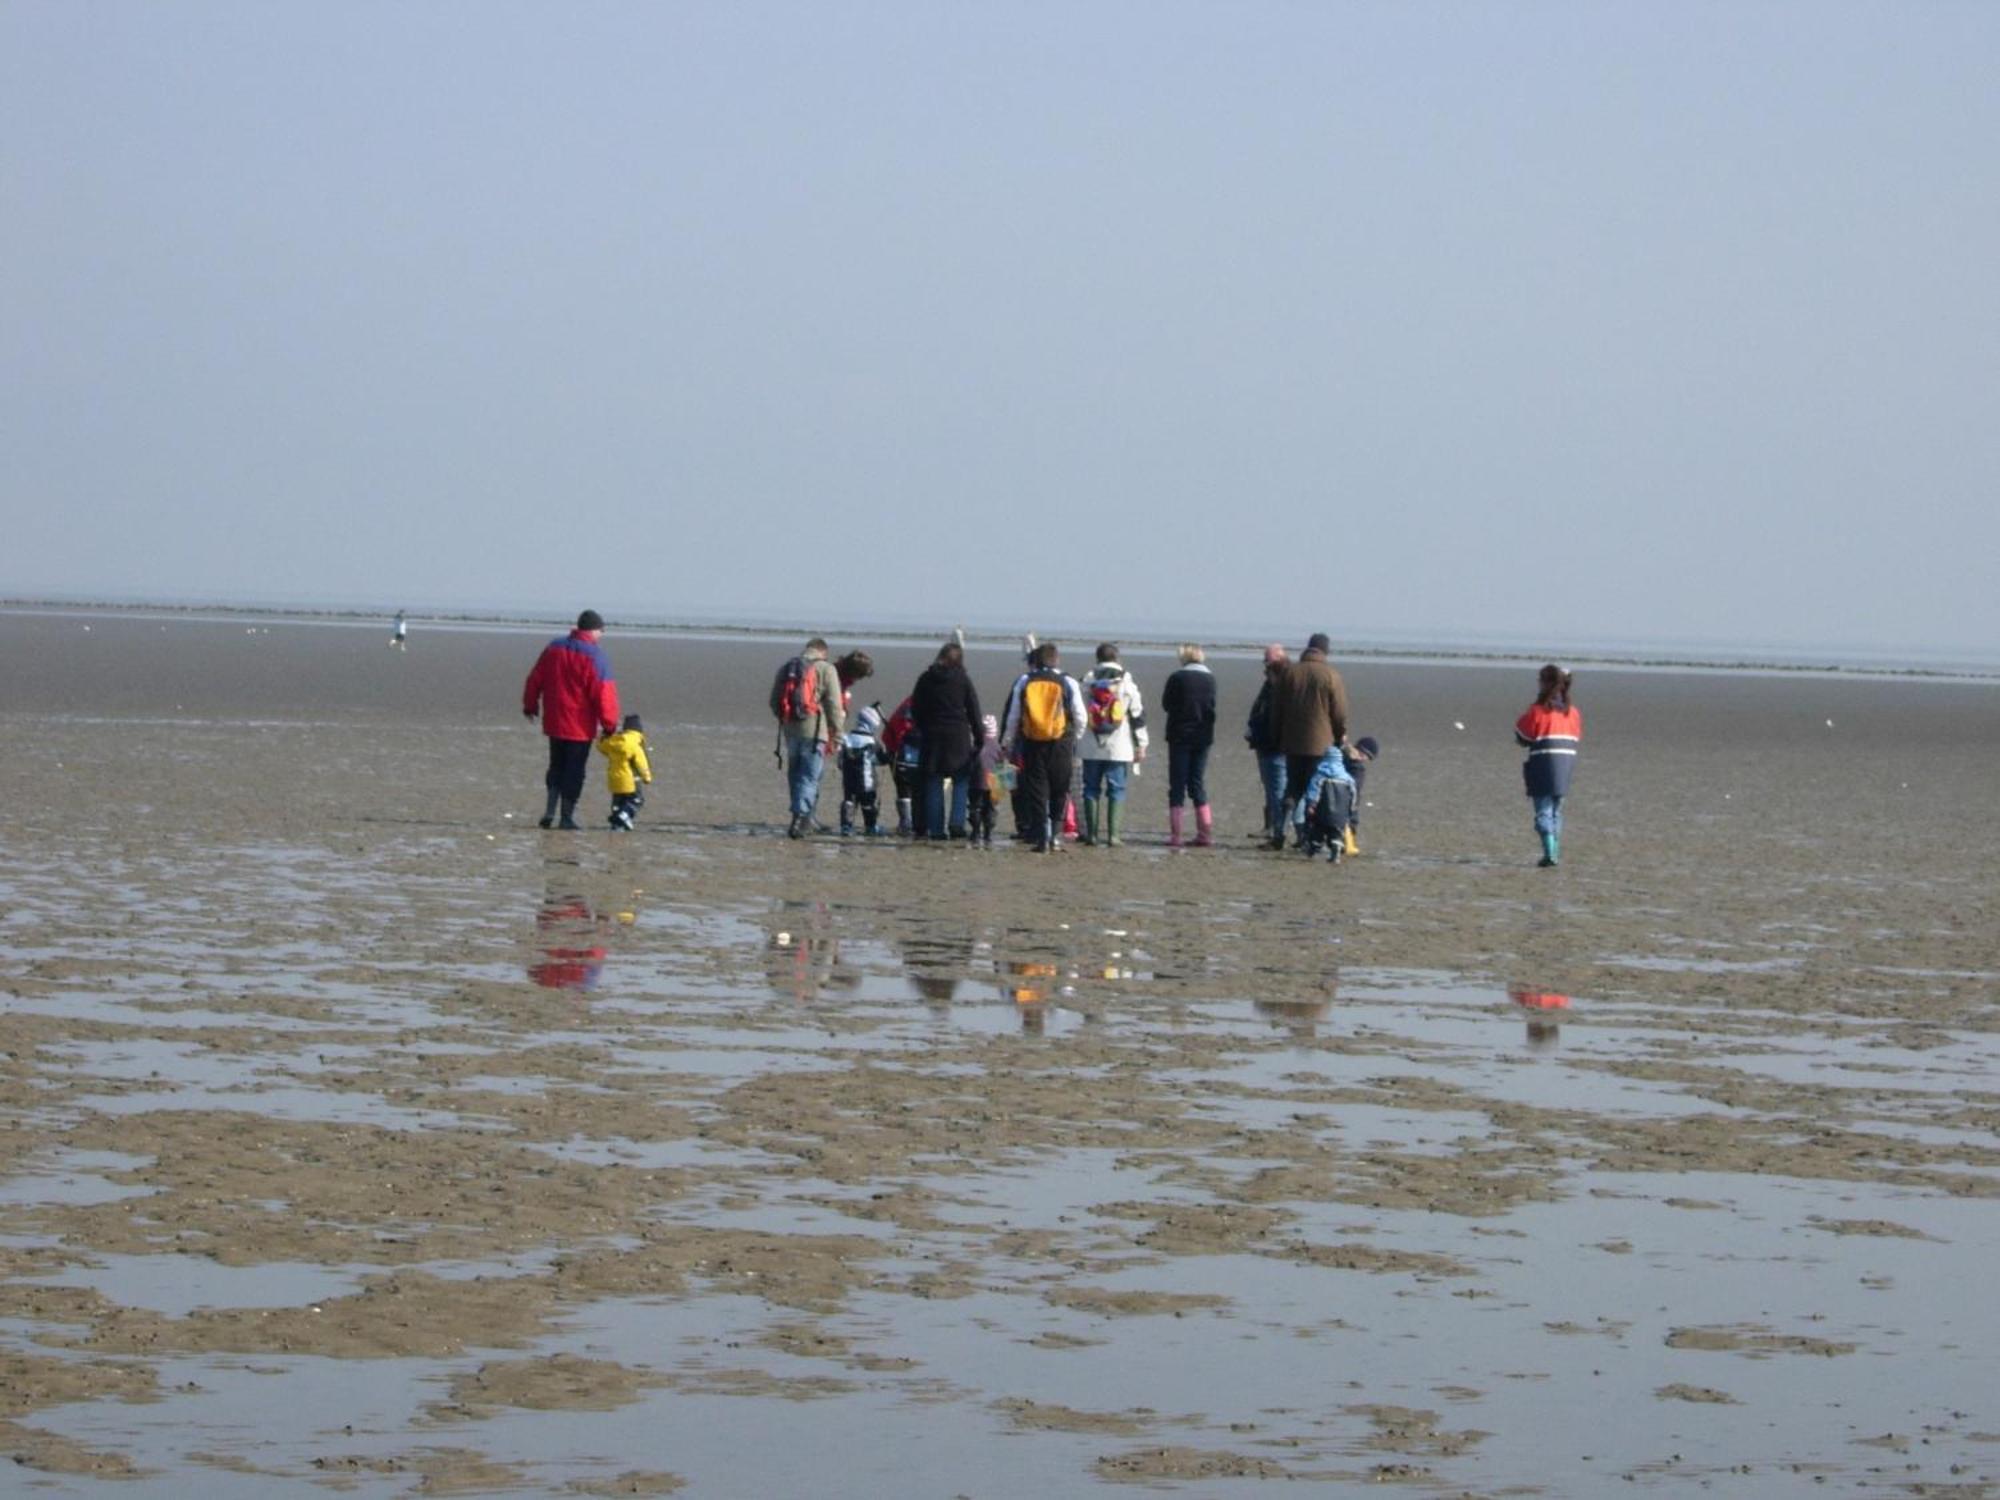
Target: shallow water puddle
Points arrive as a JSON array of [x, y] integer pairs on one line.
[[1153, 1191]]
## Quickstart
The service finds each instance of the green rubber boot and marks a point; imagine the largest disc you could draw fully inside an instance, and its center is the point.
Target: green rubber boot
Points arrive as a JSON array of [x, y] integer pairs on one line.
[[1548, 860], [1090, 820], [1114, 814]]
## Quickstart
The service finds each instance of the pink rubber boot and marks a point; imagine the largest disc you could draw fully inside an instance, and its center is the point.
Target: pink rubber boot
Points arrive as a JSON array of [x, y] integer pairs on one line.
[[1204, 828], [1175, 816]]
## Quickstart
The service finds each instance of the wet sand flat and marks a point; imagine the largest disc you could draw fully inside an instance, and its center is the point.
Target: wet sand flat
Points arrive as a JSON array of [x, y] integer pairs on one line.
[[359, 1135]]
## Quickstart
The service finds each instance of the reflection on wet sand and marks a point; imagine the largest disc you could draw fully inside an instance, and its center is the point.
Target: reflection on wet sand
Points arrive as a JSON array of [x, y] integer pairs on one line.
[[936, 962], [1031, 983], [1545, 1010], [802, 957], [567, 929], [1300, 1016], [572, 926]]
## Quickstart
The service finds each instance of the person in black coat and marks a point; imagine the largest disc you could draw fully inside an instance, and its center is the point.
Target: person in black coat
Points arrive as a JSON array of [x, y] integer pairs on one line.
[[1259, 736], [945, 706], [1189, 701]]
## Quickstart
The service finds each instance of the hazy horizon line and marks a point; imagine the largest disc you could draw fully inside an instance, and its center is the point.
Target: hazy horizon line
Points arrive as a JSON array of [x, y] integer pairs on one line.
[[1468, 647]]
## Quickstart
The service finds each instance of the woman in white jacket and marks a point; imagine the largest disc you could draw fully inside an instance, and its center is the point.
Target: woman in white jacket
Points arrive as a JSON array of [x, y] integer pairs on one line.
[[1114, 739]]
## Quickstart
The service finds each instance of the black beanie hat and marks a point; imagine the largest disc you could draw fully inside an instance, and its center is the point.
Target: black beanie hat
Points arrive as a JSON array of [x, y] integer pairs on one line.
[[1369, 746], [632, 722], [1319, 642], [590, 619]]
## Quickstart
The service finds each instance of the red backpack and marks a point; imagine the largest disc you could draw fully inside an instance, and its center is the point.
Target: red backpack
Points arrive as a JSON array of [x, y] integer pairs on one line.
[[795, 693], [1105, 704]]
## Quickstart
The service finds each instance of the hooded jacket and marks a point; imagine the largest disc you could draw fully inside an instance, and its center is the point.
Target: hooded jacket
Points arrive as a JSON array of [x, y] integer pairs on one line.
[[572, 689], [1125, 742], [626, 763]]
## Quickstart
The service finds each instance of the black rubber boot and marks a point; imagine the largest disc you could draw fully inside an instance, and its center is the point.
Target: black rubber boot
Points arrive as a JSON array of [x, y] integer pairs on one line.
[[1277, 838]]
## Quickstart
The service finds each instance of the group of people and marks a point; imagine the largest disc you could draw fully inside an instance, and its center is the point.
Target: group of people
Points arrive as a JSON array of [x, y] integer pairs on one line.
[[1060, 734], [951, 764]]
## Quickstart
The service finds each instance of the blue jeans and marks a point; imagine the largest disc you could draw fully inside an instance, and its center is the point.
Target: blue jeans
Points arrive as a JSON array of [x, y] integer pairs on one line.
[[1106, 774], [1331, 767], [1549, 815], [961, 785], [1271, 767], [802, 772], [1187, 774]]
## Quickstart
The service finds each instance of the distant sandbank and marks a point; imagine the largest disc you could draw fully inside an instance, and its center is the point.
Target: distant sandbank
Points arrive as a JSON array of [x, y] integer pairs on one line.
[[1753, 660]]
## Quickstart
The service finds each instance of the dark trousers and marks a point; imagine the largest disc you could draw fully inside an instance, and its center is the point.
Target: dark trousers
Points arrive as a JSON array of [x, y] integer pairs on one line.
[[980, 812], [1046, 768], [1298, 772], [1327, 822], [1187, 774], [568, 761], [910, 787], [858, 789]]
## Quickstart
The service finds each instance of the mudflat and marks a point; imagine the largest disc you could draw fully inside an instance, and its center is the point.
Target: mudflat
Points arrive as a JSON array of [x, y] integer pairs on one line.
[[358, 1134]]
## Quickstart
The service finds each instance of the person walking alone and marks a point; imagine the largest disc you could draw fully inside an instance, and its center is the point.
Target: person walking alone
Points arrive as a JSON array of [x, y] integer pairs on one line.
[[572, 689], [1550, 731]]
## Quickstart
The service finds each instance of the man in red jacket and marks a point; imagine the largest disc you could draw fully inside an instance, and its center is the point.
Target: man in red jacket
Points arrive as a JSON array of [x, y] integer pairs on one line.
[[572, 688]]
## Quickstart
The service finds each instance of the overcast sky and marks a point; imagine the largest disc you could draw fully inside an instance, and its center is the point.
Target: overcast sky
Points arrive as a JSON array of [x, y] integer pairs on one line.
[[1587, 322]]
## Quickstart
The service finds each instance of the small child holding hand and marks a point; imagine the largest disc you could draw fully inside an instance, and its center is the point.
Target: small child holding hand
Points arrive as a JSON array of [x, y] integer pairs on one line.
[[626, 768]]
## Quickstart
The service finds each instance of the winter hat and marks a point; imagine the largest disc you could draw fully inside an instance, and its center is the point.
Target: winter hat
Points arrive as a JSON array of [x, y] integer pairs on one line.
[[1369, 746], [1319, 642], [632, 722], [590, 619]]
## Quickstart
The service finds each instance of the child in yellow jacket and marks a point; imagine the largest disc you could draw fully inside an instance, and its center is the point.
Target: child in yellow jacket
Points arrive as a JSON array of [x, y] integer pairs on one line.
[[627, 766]]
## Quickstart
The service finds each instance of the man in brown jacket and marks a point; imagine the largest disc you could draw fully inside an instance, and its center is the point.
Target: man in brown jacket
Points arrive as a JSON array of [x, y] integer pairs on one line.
[[1309, 724]]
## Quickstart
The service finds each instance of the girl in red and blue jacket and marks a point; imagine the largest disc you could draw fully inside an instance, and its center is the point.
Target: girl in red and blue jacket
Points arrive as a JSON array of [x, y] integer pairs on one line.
[[1551, 730]]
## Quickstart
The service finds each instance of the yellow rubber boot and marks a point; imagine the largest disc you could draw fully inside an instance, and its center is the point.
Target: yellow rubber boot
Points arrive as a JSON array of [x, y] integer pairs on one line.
[[1348, 841]]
